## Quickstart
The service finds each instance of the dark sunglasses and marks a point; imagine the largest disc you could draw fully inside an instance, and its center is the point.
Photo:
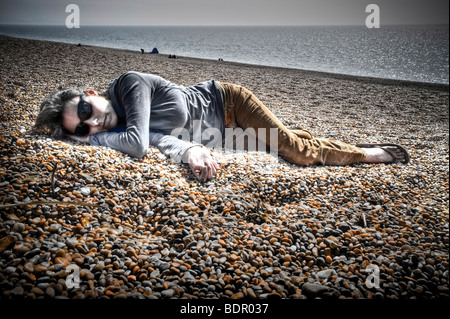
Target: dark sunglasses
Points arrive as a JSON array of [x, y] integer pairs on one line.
[[84, 113]]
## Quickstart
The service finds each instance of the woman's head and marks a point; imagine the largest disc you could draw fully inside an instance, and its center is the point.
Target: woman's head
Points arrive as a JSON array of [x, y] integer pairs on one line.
[[73, 111]]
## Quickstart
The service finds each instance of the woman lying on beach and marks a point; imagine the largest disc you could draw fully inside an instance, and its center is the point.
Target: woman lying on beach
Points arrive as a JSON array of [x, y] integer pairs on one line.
[[139, 110]]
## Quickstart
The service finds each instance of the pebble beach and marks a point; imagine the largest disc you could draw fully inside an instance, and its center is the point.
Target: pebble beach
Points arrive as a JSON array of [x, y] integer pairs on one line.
[[85, 222]]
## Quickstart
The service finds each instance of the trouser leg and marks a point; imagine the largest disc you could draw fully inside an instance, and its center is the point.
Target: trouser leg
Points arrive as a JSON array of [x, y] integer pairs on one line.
[[245, 110]]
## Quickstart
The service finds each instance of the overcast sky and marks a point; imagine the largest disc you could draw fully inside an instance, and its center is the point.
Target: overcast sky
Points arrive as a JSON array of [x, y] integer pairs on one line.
[[224, 12]]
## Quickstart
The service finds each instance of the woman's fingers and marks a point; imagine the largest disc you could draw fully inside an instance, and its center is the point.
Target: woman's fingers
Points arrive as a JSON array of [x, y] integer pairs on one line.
[[202, 165], [205, 171], [212, 168]]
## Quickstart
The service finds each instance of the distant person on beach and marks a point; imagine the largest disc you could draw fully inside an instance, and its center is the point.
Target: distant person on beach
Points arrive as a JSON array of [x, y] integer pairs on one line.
[[138, 110]]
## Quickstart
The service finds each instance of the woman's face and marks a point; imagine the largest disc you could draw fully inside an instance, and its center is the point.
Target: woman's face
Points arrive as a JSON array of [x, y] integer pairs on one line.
[[103, 117]]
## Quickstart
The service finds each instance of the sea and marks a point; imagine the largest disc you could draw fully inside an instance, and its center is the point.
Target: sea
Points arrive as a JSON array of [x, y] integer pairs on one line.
[[417, 53]]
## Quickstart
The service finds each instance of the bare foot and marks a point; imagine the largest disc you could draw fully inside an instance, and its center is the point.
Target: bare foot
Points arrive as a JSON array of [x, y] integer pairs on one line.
[[379, 155]]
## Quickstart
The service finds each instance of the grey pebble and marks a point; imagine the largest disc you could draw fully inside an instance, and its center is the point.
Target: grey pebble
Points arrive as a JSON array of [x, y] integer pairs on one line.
[[314, 290], [326, 273]]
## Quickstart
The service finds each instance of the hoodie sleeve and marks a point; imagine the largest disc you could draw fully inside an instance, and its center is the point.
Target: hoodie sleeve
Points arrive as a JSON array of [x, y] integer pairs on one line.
[[170, 145]]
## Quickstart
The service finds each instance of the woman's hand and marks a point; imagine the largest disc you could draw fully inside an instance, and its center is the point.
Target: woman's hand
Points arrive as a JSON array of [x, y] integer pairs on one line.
[[201, 163]]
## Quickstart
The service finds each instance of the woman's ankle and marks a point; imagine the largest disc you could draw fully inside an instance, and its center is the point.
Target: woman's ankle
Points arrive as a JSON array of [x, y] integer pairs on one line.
[[377, 155]]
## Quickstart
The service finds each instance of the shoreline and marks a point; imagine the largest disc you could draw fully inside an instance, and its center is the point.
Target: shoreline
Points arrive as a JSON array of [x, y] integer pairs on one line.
[[262, 229], [376, 80]]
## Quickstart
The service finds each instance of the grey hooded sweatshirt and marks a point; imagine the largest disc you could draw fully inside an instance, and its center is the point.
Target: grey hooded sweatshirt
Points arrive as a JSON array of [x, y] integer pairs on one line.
[[154, 111]]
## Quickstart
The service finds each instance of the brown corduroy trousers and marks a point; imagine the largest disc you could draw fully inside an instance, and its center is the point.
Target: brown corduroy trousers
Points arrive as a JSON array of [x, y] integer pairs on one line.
[[244, 110]]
